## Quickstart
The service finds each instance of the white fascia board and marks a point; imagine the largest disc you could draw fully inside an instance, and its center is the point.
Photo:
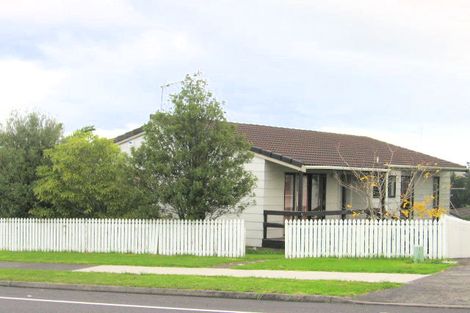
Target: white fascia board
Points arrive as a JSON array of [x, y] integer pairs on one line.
[[273, 160], [129, 138], [454, 169], [346, 168]]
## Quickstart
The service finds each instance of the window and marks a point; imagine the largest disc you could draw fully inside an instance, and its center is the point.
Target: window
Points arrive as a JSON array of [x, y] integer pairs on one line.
[[392, 186], [289, 192], [406, 192], [378, 191], [435, 191], [313, 192], [304, 192]]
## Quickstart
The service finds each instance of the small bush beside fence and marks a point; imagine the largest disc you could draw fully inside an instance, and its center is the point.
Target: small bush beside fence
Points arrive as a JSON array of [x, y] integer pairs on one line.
[[167, 237], [363, 238]]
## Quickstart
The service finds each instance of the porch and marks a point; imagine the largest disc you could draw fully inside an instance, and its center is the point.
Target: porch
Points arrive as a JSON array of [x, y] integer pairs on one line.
[[285, 191], [314, 195], [278, 242]]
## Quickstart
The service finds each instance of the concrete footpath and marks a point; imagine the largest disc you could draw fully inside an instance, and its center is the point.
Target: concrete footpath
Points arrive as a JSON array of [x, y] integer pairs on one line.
[[344, 276], [301, 275]]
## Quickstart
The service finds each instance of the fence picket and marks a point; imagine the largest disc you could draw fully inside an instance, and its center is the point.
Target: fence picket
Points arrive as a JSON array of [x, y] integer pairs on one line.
[[363, 238]]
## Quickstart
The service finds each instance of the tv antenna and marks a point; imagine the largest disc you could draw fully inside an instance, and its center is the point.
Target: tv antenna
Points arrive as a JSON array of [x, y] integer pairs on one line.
[[163, 91]]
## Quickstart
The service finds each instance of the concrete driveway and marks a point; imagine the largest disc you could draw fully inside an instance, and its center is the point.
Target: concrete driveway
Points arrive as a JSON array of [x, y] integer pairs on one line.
[[451, 287]]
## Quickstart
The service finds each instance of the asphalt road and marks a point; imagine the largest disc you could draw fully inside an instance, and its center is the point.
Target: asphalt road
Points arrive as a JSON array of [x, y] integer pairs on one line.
[[17, 300]]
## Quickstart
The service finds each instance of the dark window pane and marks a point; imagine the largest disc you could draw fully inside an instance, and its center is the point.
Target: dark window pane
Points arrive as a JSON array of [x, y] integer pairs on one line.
[[315, 192], [289, 185], [376, 192], [304, 193], [406, 196], [392, 186], [435, 191]]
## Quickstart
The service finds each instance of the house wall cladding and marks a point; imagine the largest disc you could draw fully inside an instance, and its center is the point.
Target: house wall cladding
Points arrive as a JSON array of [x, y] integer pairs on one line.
[[132, 142], [274, 196], [166, 237], [253, 214]]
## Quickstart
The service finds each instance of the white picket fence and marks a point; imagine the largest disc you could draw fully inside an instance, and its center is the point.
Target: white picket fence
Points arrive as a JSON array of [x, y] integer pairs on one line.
[[167, 237], [363, 238]]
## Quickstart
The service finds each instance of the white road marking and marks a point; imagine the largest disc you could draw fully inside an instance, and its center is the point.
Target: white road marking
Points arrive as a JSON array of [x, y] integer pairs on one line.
[[122, 305]]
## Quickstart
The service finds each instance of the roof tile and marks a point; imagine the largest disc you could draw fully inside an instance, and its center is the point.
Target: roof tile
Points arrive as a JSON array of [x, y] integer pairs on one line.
[[330, 149]]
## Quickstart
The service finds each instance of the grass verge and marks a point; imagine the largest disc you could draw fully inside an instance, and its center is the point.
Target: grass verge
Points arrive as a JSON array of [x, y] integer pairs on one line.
[[268, 260], [114, 259], [376, 265], [257, 285]]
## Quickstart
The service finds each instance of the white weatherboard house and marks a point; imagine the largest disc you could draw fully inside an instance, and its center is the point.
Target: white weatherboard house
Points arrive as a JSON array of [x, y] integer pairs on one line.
[[297, 170]]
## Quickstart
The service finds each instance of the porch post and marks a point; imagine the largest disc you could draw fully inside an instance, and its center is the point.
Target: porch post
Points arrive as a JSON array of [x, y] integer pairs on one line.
[[385, 206], [343, 202]]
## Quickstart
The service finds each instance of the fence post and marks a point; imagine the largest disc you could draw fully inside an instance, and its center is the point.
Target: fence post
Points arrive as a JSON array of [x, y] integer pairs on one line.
[[286, 239]]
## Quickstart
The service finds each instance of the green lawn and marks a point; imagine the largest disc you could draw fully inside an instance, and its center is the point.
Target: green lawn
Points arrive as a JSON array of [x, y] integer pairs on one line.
[[262, 259], [376, 265], [114, 259], [257, 285]]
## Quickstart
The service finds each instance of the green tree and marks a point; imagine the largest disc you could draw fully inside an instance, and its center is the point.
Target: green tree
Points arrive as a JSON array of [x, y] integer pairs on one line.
[[23, 139], [192, 159], [87, 176]]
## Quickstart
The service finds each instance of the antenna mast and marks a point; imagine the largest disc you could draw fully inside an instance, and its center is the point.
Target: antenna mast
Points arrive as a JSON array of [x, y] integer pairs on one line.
[[163, 91]]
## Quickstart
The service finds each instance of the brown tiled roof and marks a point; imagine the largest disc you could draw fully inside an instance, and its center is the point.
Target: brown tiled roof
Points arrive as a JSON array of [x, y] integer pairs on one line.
[[315, 148], [306, 147]]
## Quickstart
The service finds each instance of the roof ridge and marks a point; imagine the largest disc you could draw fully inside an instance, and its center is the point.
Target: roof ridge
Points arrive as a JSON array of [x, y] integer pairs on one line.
[[140, 130], [303, 129]]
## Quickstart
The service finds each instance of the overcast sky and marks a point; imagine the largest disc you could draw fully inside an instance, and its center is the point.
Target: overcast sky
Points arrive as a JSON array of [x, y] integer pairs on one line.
[[398, 71]]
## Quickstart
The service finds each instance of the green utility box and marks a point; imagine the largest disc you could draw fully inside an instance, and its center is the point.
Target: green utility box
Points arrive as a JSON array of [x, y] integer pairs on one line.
[[418, 254]]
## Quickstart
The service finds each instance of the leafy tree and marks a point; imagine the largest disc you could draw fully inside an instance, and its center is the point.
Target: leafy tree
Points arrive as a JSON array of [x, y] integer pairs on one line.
[[192, 159], [461, 193], [23, 139], [88, 176]]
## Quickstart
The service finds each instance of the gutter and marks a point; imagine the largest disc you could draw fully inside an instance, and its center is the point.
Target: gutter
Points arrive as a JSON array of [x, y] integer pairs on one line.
[[346, 168], [120, 141], [129, 135], [455, 169]]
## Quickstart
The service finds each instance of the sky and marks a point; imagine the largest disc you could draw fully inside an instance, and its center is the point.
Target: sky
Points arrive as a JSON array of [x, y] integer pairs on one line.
[[398, 71]]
